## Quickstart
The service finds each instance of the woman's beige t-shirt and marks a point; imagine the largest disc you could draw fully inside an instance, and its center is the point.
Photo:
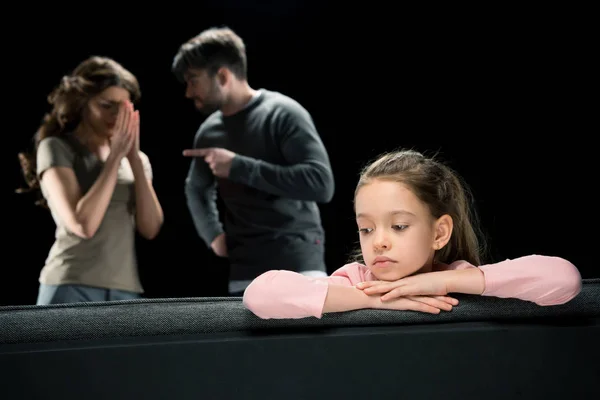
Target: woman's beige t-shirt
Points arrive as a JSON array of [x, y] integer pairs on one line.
[[107, 260]]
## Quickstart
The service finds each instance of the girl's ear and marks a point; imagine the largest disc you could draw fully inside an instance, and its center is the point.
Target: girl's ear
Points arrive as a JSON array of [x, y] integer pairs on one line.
[[443, 231]]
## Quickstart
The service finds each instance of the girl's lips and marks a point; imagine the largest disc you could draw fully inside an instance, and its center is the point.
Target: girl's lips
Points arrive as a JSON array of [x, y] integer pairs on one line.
[[383, 264]]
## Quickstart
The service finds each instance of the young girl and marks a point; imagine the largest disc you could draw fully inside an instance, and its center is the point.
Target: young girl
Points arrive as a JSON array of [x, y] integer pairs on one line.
[[419, 243]]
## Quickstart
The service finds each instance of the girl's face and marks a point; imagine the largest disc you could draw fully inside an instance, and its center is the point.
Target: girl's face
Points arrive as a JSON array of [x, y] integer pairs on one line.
[[398, 234]]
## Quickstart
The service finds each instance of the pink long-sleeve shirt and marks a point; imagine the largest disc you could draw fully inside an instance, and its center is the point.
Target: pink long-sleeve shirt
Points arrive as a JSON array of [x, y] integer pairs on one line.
[[543, 280]]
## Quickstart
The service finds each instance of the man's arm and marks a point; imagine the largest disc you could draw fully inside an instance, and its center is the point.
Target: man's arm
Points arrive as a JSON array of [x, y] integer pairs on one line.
[[308, 175], [201, 197]]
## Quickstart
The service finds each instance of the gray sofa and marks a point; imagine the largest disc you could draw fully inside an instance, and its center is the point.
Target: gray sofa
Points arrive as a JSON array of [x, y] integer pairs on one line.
[[213, 348]]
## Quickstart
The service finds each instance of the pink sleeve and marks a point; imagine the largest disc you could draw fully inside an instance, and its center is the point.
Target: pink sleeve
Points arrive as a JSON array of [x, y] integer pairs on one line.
[[543, 280], [287, 294]]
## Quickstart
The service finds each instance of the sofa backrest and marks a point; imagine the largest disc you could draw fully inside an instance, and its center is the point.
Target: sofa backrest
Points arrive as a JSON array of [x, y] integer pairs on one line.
[[213, 348]]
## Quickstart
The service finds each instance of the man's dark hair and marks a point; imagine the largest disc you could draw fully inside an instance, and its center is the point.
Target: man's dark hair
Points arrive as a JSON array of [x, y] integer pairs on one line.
[[211, 50]]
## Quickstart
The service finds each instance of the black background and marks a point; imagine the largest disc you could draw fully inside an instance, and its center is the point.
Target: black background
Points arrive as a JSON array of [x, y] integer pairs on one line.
[[504, 96]]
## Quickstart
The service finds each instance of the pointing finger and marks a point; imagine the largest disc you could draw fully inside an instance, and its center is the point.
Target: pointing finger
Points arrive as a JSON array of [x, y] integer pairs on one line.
[[196, 152]]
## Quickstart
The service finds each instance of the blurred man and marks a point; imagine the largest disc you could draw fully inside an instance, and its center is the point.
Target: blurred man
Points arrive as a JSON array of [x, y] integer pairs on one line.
[[262, 151]]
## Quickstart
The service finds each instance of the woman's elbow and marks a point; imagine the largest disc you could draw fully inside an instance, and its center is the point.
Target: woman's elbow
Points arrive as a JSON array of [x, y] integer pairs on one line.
[[150, 233], [82, 229], [148, 236]]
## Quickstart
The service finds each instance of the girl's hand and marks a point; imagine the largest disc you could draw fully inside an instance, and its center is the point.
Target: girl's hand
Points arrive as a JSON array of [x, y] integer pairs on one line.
[[427, 284], [426, 304]]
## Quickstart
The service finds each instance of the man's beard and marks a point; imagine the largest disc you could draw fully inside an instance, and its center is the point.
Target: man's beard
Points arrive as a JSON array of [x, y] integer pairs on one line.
[[213, 102], [209, 108]]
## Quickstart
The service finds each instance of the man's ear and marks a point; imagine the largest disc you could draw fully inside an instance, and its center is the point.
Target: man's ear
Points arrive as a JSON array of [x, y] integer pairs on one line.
[[443, 231], [223, 76]]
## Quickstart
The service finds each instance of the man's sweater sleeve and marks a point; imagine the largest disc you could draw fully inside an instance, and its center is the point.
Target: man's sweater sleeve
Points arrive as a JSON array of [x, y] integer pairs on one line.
[[307, 175], [201, 196]]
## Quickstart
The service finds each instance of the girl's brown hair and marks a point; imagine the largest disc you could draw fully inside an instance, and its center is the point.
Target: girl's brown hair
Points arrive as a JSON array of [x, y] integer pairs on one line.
[[442, 190]]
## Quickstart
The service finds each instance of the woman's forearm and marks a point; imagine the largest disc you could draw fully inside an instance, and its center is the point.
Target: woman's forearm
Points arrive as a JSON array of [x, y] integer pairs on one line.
[[91, 208], [149, 214]]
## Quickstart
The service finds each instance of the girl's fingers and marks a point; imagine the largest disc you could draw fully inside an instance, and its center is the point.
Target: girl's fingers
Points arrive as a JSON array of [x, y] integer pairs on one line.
[[420, 306], [447, 299], [433, 302]]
